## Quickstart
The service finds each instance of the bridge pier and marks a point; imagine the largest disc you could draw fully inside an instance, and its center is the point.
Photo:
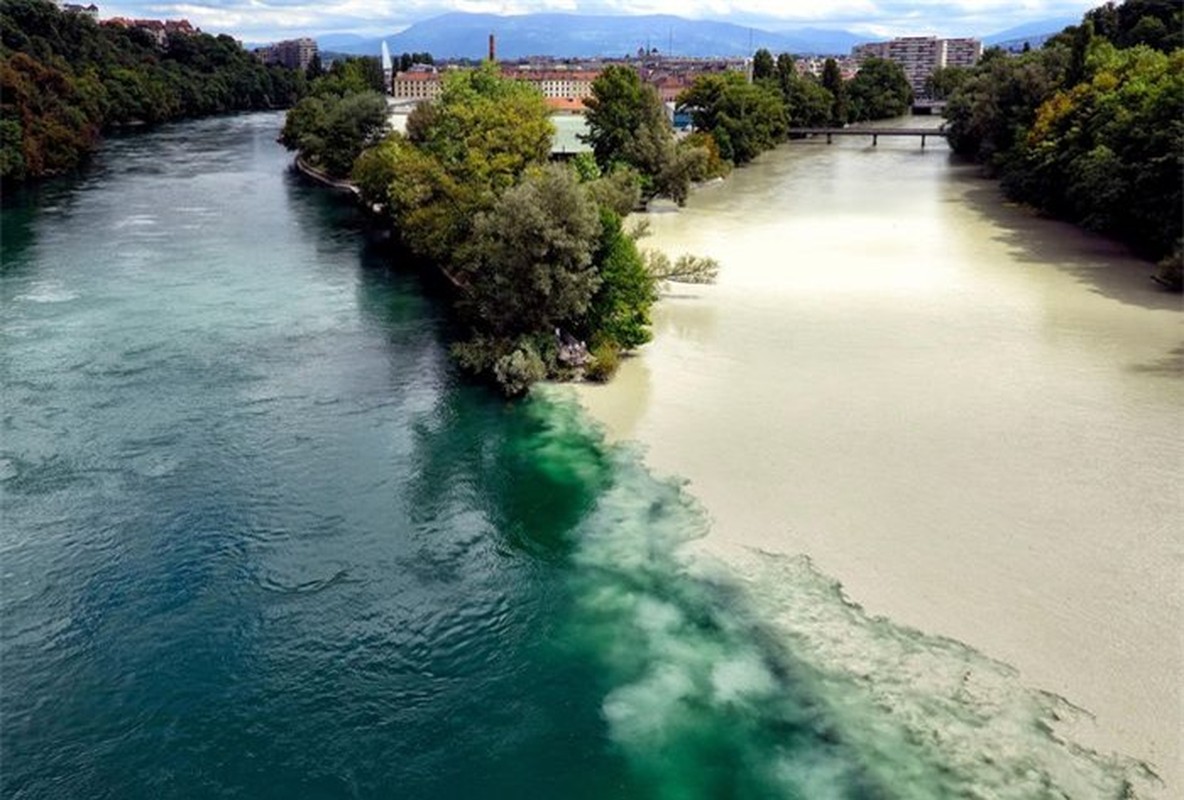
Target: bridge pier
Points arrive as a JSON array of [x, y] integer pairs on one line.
[[829, 138], [875, 139]]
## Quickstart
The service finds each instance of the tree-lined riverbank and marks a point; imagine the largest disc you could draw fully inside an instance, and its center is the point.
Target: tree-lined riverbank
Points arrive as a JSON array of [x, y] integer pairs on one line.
[[65, 79], [1089, 128]]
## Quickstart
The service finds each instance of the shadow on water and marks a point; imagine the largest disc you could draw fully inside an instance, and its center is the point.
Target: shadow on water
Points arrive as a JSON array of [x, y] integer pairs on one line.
[[1169, 366], [20, 211], [1105, 266]]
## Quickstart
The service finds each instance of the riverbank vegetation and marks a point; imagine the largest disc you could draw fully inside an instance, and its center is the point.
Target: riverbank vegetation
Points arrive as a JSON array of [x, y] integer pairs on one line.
[[745, 118], [547, 280], [344, 113], [628, 130], [65, 79], [1089, 128]]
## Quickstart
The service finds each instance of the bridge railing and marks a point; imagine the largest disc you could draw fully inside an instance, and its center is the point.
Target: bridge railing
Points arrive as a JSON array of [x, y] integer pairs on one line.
[[875, 133]]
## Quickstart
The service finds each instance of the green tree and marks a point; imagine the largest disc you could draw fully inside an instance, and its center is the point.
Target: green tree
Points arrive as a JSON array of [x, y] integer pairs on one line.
[[315, 68], [330, 132], [528, 266], [944, 81], [989, 114], [484, 129], [619, 313], [763, 66], [745, 119], [1088, 128], [66, 80], [807, 103], [527, 273], [1159, 24], [832, 81], [1108, 153], [878, 91], [627, 125]]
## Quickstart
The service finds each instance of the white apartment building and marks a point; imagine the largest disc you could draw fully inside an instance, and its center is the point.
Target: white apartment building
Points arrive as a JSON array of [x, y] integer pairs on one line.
[[919, 56]]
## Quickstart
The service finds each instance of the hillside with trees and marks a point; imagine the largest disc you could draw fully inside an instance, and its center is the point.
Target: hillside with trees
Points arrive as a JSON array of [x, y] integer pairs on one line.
[[65, 79], [1089, 128]]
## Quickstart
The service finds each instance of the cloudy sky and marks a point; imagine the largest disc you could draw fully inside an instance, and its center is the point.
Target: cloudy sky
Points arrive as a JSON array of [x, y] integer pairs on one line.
[[262, 20]]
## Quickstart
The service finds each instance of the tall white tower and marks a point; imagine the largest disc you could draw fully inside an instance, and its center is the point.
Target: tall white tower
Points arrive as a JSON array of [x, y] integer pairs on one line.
[[387, 69]]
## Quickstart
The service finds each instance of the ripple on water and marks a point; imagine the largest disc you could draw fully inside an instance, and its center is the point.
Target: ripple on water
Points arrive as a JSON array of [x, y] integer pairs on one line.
[[47, 292]]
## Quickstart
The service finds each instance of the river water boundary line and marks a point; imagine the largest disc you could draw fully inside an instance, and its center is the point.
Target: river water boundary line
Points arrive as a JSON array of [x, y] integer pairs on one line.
[[1071, 723], [950, 405], [260, 539]]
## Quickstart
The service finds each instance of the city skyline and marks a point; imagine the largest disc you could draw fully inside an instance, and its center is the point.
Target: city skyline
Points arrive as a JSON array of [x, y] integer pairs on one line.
[[264, 20]]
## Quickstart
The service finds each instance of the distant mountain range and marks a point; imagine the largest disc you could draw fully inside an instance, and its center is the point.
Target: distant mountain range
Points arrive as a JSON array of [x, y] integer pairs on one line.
[[1033, 33], [1032, 30], [461, 35]]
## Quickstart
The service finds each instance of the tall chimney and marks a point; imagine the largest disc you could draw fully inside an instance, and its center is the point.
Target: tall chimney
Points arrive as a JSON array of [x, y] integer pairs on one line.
[[492, 49]]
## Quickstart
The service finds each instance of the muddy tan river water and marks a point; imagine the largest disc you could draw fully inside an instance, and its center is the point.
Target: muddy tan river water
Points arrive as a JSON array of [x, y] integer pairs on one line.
[[969, 416]]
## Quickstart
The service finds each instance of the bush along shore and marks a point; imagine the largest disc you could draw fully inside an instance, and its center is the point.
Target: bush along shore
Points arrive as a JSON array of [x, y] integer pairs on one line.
[[547, 280]]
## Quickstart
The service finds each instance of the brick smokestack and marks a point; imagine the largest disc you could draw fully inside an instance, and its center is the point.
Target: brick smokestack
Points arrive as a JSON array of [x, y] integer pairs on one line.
[[492, 48]]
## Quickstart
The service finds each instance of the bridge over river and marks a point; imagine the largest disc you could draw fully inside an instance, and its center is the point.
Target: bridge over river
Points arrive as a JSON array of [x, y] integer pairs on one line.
[[875, 133]]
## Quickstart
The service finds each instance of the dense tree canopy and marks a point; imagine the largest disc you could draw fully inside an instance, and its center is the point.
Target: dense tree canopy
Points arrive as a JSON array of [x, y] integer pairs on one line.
[[1089, 128], [808, 104], [64, 79], [763, 65], [878, 91], [331, 131], [628, 127], [832, 81], [484, 130], [744, 118], [1159, 24], [535, 251], [528, 264]]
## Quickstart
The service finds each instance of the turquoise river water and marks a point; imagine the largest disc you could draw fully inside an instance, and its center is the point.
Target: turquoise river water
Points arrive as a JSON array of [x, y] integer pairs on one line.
[[259, 540]]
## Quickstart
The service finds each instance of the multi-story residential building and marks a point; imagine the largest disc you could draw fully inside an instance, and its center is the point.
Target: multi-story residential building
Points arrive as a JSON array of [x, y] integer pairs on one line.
[[556, 83], [291, 53], [919, 56], [963, 52]]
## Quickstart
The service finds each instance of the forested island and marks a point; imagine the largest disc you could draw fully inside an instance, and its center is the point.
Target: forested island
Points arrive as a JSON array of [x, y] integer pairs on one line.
[[65, 79], [548, 281]]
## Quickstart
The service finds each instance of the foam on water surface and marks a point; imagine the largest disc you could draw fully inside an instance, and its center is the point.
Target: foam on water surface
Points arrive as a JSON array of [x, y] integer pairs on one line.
[[758, 678]]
